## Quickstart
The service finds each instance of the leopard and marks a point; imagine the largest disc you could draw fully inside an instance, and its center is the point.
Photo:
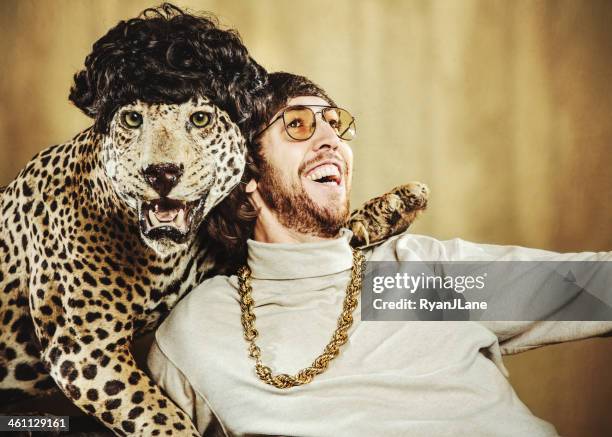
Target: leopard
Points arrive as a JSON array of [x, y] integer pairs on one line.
[[102, 235]]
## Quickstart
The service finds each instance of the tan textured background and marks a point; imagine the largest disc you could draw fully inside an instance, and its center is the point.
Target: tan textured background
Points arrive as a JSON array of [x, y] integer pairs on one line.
[[503, 107]]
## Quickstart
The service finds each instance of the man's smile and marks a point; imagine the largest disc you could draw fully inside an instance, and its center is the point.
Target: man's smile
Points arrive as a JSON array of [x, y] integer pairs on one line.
[[328, 173], [323, 179], [325, 174]]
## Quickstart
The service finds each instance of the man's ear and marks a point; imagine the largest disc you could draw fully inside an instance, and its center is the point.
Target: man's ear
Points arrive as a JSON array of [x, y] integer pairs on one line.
[[251, 186]]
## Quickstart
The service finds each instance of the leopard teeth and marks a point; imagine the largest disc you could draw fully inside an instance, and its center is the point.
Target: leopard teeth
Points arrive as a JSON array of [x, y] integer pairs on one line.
[[153, 219], [180, 217]]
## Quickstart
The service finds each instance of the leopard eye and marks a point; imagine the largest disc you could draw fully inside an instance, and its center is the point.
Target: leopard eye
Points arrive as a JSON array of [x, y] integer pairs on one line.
[[200, 119], [131, 119]]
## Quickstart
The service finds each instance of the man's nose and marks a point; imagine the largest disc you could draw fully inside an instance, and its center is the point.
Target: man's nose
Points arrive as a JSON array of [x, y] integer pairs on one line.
[[163, 177], [325, 136]]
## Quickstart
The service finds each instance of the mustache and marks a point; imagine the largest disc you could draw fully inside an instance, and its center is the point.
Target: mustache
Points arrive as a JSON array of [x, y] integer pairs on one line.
[[322, 157]]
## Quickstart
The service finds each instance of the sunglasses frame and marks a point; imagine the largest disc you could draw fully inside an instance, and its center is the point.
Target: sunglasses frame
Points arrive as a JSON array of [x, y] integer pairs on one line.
[[322, 111]]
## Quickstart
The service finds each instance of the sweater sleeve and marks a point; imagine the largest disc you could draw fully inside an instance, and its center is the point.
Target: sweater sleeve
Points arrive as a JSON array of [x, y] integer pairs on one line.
[[174, 383], [516, 336]]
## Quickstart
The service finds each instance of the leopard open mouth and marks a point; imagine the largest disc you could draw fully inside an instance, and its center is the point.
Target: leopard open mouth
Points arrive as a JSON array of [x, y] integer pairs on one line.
[[167, 218]]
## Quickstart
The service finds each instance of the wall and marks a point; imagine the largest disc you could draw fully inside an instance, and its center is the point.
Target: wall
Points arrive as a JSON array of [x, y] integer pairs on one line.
[[503, 108]]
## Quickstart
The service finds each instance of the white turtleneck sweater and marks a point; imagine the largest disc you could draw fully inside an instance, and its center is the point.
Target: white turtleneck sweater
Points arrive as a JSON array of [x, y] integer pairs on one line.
[[391, 378]]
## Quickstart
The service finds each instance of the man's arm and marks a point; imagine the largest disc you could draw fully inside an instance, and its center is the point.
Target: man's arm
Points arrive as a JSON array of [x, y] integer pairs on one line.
[[174, 383], [515, 336]]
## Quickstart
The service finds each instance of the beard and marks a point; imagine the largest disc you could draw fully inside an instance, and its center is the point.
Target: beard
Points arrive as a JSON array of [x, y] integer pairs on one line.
[[296, 210]]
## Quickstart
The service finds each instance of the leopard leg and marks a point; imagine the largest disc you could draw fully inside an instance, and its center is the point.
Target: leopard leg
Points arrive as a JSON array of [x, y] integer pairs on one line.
[[25, 376], [88, 356], [388, 215], [22, 374], [100, 376]]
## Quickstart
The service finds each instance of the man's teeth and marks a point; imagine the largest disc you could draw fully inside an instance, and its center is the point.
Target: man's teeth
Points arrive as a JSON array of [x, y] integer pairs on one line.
[[324, 171]]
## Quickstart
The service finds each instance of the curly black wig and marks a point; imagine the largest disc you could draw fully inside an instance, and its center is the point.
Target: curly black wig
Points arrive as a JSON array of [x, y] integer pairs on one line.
[[168, 55]]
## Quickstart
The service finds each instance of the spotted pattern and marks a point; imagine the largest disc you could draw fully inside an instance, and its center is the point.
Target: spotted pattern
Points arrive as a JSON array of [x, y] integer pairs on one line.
[[78, 280]]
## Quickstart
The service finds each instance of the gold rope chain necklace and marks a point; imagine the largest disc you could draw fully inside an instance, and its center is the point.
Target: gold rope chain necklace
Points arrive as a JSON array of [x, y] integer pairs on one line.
[[319, 365]]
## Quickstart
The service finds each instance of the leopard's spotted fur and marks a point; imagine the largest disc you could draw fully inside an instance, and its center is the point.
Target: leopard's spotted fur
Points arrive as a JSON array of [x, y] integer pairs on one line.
[[77, 279]]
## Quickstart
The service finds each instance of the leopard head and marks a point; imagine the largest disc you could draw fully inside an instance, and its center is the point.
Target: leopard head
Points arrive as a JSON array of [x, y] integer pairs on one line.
[[172, 163]]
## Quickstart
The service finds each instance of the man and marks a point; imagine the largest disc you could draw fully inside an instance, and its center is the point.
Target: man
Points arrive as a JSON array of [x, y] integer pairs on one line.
[[223, 350]]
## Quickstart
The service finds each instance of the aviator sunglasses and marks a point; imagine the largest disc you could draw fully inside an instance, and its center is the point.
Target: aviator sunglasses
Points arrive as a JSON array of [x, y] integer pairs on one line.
[[301, 122]]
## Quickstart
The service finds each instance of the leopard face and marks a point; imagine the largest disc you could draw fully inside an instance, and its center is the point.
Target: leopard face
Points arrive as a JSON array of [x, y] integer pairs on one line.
[[172, 163]]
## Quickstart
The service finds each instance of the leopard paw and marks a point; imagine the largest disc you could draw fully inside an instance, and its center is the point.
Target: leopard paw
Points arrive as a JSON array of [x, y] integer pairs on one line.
[[388, 215]]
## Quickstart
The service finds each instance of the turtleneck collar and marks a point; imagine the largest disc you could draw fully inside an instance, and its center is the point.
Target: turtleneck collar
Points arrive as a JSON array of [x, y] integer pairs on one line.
[[300, 260]]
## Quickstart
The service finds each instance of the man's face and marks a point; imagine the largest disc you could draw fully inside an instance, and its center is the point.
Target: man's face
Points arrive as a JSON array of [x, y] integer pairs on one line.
[[307, 183]]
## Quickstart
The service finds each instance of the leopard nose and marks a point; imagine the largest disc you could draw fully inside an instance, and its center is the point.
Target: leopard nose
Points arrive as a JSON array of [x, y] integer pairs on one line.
[[163, 177]]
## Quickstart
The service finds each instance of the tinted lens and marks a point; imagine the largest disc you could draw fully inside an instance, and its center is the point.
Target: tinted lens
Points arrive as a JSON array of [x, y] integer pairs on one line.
[[341, 121], [299, 123]]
